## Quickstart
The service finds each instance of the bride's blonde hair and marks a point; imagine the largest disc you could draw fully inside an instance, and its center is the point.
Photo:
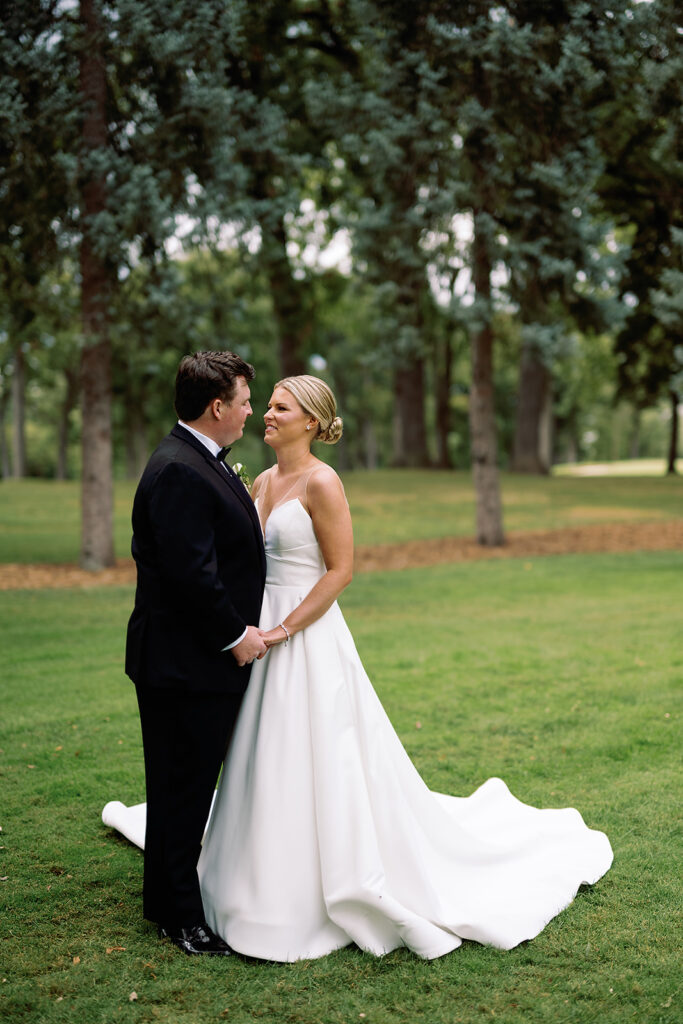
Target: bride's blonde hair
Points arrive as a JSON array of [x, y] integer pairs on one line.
[[316, 398]]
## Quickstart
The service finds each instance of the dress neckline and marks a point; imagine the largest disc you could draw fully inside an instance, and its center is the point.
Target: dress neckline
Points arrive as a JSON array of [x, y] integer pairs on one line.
[[276, 508], [284, 500]]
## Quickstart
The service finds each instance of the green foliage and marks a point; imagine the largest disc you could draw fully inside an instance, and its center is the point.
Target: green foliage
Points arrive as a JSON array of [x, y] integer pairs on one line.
[[641, 188], [355, 369], [207, 300], [560, 676], [36, 127], [257, 131]]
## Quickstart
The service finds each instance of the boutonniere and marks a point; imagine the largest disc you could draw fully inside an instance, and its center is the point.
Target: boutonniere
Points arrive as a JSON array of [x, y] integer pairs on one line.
[[241, 472]]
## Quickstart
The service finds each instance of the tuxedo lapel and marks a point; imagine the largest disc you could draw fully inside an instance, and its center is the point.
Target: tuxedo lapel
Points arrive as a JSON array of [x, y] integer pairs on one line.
[[233, 482], [229, 478], [237, 487]]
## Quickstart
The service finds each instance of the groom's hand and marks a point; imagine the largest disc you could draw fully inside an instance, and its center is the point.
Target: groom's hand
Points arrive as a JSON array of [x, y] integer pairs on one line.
[[251, 646]]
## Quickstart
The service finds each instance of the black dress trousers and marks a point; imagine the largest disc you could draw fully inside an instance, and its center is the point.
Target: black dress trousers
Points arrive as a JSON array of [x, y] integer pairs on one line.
[[185, 738]]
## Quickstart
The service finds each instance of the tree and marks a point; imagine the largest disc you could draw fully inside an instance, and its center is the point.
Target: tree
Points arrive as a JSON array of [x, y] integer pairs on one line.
[[482, 408], [33, 185], [550, 65], [97, 498], [641, 187], [139, 111], [202, 299], [272, 64], [391, 141], [667, 305], [534, 68], [356, 370]]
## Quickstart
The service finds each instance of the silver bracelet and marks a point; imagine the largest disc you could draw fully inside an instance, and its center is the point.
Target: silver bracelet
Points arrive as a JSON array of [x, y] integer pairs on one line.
[[287, 633]]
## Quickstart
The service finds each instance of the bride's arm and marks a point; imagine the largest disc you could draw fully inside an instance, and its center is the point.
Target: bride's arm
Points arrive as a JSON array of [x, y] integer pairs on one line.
[[329, 511]]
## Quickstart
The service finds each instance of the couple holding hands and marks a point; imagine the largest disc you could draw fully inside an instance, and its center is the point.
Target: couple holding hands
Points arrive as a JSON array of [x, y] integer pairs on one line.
[[321, 832]]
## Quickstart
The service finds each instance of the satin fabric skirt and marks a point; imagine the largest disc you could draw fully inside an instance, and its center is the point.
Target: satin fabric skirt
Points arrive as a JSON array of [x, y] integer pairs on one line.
[[323, 832]]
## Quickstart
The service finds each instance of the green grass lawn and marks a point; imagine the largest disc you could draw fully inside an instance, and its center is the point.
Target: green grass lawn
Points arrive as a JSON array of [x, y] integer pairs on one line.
[[40, 520], [390, 506], [561, 675]]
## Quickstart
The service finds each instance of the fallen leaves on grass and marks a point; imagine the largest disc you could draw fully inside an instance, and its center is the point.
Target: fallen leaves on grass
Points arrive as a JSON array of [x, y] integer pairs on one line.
[[592, 539]]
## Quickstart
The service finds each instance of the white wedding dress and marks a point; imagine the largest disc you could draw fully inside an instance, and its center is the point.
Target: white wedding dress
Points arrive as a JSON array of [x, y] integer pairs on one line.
[[322, 831]]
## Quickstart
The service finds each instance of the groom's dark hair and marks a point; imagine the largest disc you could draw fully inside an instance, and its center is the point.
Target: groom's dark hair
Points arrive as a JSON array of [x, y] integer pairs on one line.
[[204, 376]]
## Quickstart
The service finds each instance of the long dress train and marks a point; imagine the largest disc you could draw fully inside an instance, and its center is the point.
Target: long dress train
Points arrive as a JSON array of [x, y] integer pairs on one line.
[[323, 832]]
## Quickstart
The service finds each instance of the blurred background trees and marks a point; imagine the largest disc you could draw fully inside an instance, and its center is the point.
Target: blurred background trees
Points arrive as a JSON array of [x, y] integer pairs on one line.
[[465, 216]]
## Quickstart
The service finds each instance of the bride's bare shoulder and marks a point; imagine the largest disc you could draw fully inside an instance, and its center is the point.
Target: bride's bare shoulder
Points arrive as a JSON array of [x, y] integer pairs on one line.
[[324, 486], [259, 484]]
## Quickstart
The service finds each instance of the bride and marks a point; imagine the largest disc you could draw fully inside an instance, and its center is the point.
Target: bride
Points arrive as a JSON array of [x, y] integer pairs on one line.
[[322, 831]]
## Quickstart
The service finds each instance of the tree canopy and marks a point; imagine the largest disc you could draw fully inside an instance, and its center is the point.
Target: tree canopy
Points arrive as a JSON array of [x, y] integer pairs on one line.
[[503, 177]]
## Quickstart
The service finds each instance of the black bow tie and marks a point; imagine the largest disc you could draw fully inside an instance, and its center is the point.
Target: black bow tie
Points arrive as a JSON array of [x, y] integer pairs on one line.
[[220, 455]]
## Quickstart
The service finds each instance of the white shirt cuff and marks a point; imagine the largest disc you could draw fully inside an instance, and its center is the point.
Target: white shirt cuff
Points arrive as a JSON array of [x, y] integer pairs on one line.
[[237, 641]]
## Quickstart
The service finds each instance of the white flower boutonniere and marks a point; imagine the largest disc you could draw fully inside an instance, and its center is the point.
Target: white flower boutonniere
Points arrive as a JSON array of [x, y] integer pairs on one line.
[[241, 471]]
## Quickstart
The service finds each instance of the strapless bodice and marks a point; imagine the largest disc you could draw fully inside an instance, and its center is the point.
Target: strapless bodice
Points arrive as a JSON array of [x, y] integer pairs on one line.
[[294, 558]]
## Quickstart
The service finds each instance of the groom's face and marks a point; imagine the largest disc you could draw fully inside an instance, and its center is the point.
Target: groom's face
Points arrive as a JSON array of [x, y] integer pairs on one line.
[[234, 416]]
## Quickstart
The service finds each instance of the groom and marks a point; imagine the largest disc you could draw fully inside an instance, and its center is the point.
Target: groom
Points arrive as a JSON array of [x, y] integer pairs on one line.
[[192, 635]]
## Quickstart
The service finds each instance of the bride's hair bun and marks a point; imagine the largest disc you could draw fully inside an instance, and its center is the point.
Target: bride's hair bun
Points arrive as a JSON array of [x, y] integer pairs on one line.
[[316, 398], [331, 433]]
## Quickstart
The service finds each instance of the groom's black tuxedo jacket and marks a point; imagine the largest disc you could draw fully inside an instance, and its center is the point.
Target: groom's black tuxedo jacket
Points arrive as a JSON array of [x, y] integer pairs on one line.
[[201, 570]]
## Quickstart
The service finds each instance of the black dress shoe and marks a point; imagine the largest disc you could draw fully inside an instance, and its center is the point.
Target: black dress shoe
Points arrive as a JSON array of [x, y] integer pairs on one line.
[[199, 939]]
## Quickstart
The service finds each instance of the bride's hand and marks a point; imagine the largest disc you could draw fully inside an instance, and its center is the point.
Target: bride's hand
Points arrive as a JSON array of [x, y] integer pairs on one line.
[[273, 637]]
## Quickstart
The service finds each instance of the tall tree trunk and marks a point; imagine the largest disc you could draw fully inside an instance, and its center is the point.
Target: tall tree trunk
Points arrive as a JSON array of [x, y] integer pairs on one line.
[[482, 408], [634, 445], [443, 371], [409, 432], [531, 445], [5, 468], [673, 436], [410, 437], [136, 440], [291, 302], [19, 414], [69, 403], [370, 446], [572, 452], [97, 500], [546, 431]]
